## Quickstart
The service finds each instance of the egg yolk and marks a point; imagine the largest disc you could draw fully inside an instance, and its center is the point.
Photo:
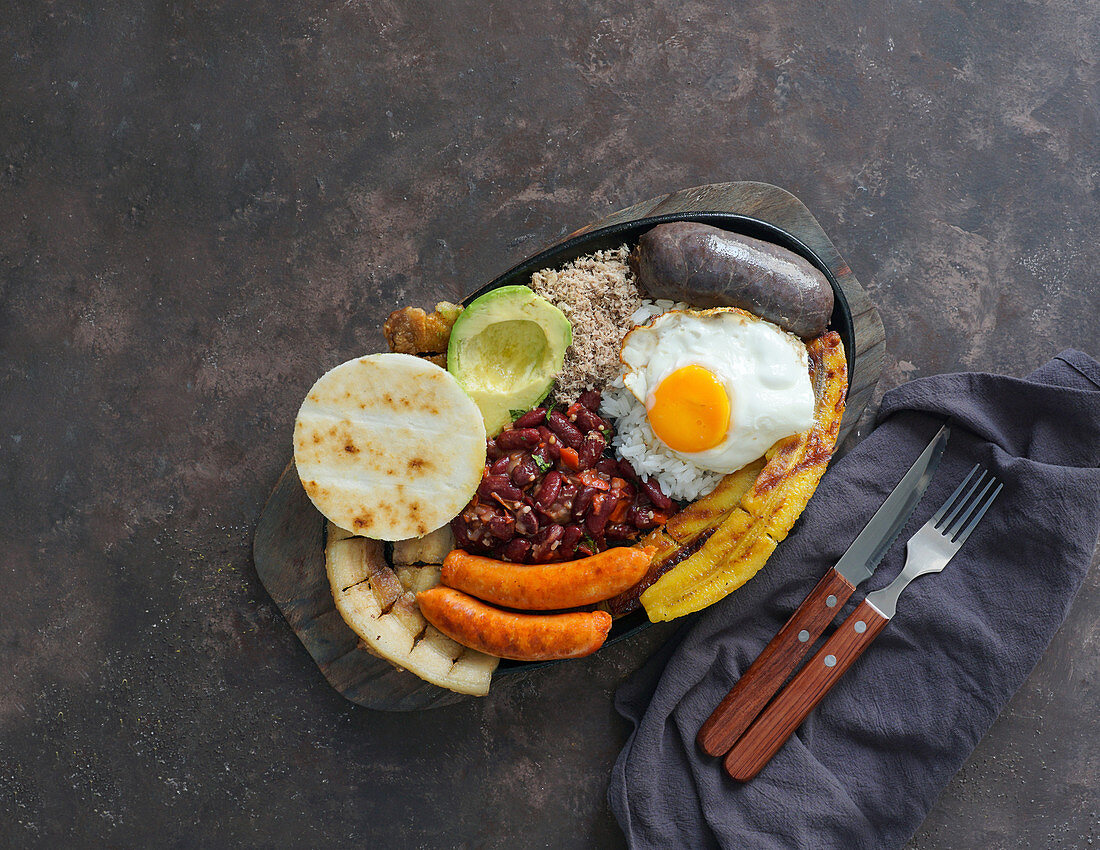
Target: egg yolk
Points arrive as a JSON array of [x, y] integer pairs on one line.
[[690, 410]]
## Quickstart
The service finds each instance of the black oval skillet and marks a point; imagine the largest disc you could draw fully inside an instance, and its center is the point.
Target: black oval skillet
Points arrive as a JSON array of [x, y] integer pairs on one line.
[[613, 236]]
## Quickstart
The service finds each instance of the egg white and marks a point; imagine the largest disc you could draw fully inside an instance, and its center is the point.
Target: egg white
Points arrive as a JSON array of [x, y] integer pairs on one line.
[[763, 369]]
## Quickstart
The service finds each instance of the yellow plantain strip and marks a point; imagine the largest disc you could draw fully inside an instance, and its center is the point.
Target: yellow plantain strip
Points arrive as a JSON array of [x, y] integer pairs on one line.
[[731, 542], [711, 509], [721, 545], [752, 555], [683, 528], [789, 504], [666, 546]]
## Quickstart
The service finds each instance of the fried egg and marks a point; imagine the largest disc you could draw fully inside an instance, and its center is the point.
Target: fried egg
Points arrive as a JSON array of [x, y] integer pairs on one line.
[[720, 386]]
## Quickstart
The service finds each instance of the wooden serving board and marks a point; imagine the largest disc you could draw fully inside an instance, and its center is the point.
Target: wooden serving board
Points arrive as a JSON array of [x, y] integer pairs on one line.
[[288, 548]]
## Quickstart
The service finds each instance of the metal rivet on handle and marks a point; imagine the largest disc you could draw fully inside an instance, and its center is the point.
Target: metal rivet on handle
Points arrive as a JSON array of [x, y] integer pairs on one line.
[[830, 661], [860, 627], [831, 601], [803, 636]]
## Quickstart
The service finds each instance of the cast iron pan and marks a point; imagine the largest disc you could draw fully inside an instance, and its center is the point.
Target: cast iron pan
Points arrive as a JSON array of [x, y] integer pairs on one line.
[[607, 238]]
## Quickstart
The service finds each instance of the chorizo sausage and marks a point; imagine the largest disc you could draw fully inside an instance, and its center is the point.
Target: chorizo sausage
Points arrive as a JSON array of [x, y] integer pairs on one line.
[[708, 267], [506, 634], [546, 587]]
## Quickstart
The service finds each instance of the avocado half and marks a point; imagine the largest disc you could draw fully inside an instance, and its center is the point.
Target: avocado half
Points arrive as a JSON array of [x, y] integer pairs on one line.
[[506, 349]]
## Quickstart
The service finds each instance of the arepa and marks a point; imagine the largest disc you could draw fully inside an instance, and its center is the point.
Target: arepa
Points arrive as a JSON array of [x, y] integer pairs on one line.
[[388, 446]]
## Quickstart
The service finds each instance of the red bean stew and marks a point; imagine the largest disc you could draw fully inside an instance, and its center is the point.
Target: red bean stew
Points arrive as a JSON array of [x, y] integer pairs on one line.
[[552, 492]]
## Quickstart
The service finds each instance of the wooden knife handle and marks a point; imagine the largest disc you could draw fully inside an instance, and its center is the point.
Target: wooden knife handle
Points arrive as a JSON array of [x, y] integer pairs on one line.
[[771, 668], [779, 721]]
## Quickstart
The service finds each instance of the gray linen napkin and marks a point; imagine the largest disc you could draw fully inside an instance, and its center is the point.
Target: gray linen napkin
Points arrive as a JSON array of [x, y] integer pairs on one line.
[[868, 764]]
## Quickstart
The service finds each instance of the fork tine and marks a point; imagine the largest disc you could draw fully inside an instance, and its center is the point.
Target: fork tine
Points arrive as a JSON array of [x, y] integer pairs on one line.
[[956, 524], [963, 502], [938, 515], [965, 533]]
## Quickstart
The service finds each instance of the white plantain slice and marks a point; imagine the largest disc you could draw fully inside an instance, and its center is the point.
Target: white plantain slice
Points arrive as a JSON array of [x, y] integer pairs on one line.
[[373, 602], [427, 553], [418, 578], [432, 548], [334, 532]]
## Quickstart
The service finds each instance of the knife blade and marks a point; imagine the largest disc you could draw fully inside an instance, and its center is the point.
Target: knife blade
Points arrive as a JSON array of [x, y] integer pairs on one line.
[[781, 656], [865, 553]]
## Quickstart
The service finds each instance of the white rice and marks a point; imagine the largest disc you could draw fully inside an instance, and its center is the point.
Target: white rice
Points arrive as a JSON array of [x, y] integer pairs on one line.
[[634, 440]]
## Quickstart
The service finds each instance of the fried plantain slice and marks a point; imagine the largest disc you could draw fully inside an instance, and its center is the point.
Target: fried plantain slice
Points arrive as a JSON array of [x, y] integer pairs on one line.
[[432, 548], [381, 609], [680, 536], [709, 511]]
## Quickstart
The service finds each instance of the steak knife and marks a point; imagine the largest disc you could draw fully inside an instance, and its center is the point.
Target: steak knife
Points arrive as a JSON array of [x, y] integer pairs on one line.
[[782, 655]]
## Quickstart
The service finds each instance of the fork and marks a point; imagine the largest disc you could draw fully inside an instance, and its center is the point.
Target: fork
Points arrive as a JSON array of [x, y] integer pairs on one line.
[[927, 551]]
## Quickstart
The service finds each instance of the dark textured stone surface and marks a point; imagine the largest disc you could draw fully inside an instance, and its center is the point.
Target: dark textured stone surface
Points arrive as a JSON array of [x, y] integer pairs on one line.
[[203, 207]]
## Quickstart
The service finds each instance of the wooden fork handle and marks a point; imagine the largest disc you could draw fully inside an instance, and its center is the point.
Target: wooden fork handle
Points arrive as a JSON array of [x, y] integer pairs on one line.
[[772, 667], [779, 721]]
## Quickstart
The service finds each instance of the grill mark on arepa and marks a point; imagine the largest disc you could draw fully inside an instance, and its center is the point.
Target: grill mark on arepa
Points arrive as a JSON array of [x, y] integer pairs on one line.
[[367, 482], [384, 420]]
